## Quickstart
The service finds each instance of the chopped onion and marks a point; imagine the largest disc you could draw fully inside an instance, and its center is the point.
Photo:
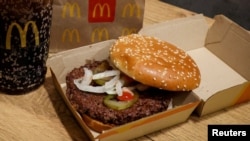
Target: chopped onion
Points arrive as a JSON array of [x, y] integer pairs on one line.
[[107, 73]]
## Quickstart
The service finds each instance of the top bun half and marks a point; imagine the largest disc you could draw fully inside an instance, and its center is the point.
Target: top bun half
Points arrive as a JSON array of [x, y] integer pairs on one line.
[[155, 63]]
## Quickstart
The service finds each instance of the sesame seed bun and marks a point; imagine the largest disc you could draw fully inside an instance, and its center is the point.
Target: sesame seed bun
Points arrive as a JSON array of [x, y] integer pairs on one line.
[[154, 62]]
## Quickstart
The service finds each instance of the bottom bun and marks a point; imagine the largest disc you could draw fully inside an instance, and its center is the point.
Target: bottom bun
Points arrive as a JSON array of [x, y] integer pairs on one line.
[[96, 125]]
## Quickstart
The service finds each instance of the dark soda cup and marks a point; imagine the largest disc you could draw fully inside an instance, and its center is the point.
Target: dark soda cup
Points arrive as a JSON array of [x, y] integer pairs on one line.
[[24, 44]]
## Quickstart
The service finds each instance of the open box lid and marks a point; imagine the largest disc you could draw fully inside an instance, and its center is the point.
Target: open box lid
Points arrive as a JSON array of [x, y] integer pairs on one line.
[[231, 43], [221, 52]]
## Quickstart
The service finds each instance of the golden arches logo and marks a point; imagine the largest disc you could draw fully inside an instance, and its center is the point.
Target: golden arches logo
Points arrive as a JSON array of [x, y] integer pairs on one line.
[[101, 33], [71, 33], [127, 31], [132, 9], [22, 33], [71, 7], [101, 8]]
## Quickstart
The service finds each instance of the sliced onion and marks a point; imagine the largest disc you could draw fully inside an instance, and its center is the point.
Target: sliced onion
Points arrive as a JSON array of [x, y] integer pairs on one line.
[[105, 74], [111, 91], [88, 88], [113, 86], [111, 83], [118, 88], [86, 79]]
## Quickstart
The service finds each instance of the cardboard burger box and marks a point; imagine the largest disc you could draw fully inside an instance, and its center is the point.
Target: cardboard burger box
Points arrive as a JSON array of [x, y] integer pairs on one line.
[[221, 52]]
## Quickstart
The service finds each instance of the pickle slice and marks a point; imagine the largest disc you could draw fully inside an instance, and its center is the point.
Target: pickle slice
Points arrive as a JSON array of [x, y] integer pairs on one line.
[[101, 68], [102, 81], [111, 102]]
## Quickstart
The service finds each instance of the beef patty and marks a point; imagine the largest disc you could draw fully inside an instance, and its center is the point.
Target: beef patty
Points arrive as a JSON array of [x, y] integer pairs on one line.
[[150, 101]]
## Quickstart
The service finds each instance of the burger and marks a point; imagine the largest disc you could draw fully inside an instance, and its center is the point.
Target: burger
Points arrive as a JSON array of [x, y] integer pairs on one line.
[[137, 80]]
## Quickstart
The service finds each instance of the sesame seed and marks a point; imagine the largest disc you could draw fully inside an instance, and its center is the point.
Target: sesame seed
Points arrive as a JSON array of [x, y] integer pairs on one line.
[[159, 54]]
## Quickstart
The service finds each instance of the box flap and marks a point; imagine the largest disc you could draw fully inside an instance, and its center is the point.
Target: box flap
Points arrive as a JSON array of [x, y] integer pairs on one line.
[[215, 74], [187, 33], [225, 98], [231, 43]]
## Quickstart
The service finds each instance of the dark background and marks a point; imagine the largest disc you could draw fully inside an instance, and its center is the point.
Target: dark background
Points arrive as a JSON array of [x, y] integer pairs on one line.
[[236, 10]]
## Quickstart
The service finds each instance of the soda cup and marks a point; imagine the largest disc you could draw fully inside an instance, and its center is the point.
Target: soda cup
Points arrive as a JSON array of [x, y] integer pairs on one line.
[[24, 44]]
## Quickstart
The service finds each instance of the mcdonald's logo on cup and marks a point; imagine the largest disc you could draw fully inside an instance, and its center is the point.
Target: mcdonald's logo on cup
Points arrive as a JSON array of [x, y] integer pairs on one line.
[[72, 34], [100, 33], [101, 11], [127, 31], [71, 7], [131, 10], [22, 33]]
